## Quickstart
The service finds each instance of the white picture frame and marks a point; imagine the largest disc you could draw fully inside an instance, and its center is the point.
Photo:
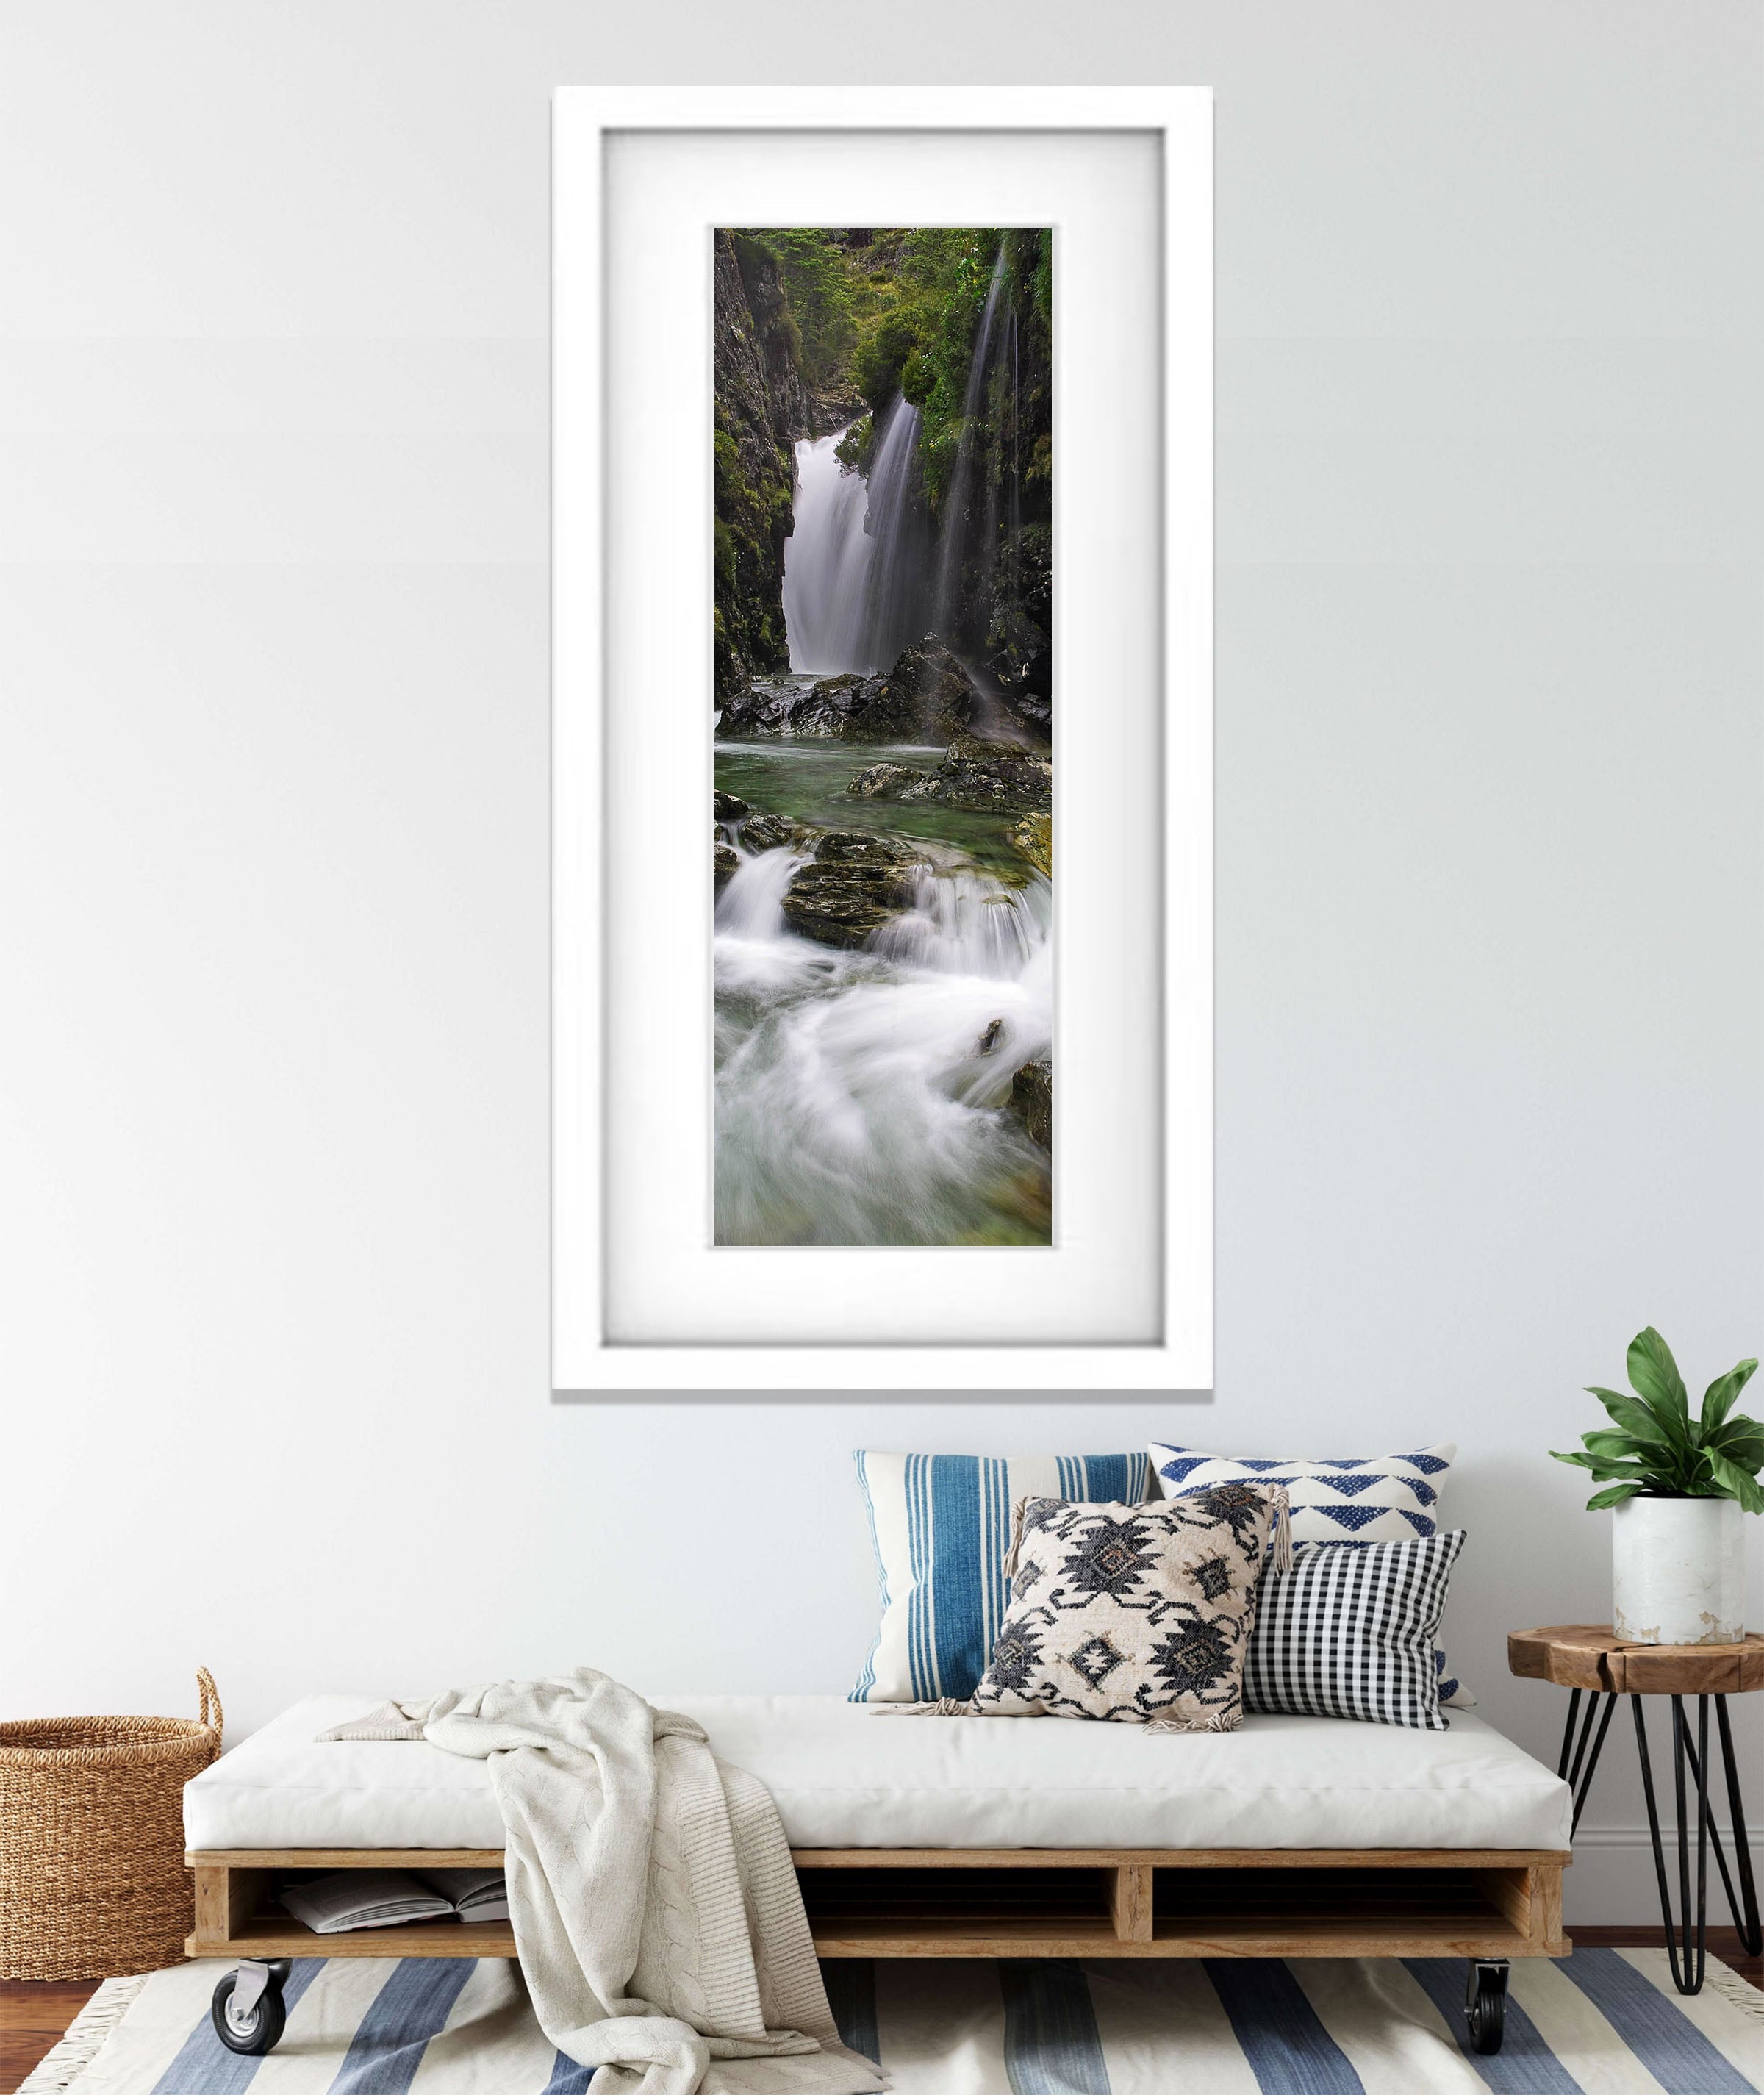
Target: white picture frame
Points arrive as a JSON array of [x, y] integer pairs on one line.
[[598, 1349]]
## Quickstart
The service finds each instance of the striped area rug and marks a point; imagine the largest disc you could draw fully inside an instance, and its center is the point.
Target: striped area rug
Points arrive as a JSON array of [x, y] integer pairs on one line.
[[1606, 2022]]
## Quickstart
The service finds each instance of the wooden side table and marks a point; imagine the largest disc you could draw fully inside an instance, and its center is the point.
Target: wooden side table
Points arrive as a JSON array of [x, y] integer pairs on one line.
[[1590, 1660]]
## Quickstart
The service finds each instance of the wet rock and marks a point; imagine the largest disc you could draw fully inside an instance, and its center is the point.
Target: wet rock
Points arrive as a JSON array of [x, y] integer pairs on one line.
[[936, 694], [1033, 838], [833, 404], [1032, 1101], [984, 775], [883, 780], [1030, 697], [730, 808], [928, 696], [855, 883], [993, 774], [727, 859], [761, 833], [781, 706], [990, 1039]]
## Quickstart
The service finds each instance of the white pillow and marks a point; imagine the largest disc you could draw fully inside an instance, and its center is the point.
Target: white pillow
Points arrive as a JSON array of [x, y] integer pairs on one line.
[[1349, 1499]]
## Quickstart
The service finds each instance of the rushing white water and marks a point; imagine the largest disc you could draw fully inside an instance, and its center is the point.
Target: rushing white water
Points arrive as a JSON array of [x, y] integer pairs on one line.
[[752, 906], [856, 567], [826, 563], [897, 603], [860, 1094]]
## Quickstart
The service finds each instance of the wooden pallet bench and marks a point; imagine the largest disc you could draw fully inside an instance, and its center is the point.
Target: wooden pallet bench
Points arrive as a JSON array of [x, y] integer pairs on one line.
[[1494, 1903]]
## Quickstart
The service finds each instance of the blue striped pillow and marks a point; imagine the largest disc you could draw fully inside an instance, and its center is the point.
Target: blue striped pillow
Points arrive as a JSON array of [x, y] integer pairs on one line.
[[942, 1527]]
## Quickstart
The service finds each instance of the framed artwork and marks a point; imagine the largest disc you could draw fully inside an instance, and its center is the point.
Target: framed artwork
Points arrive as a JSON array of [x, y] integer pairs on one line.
[[882, 739]]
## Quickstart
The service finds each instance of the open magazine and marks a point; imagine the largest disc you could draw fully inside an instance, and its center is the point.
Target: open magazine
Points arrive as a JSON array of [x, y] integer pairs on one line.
[[383, 1898]]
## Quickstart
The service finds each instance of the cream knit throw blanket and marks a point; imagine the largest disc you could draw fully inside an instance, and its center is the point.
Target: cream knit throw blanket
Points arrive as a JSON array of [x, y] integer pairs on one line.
[[659, 1920]]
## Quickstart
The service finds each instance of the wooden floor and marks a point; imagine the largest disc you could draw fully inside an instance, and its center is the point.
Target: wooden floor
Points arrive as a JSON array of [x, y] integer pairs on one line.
[[32, 2016]]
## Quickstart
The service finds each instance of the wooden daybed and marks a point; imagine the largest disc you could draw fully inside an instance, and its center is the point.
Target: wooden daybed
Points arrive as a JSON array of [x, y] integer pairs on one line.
[[1487, 1903]]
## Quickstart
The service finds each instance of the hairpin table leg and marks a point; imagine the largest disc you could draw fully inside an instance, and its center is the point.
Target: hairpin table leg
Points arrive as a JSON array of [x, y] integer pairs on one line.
[[1687, 1974], [1569, 1767], [1743, 1904]]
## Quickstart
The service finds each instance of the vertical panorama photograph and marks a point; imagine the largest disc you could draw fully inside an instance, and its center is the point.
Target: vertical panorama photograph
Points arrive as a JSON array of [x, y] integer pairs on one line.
[[883, 732]]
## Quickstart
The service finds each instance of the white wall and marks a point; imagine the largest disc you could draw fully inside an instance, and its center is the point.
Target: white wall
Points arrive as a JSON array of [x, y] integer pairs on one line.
[[273, 793]]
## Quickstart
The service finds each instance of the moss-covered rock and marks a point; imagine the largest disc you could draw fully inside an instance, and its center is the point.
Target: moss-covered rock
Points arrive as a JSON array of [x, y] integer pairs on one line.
[[1033, 838], [855, 883], [1032, 1101]]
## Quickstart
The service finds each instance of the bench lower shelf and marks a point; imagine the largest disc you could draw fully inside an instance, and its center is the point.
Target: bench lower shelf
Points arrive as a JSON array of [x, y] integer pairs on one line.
[[875, 1903]]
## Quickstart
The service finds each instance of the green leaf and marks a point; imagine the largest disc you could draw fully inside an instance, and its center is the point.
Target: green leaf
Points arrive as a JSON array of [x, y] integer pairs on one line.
[[1741, 1440], [1605, 1465], [1612, 1495], [1632, 1416], [1718, 1398], [1734, 1484], [1614, 1444], [1654, 1376]]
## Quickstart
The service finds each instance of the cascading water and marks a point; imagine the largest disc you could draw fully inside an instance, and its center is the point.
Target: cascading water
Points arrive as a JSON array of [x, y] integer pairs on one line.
[[855, 568], [752, 906], [859, 1095], [827, 563], [956, 532], [897, 601]]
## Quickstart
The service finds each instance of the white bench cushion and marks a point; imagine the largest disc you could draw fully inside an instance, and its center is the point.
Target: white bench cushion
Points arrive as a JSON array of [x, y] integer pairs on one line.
[[849, 1774]]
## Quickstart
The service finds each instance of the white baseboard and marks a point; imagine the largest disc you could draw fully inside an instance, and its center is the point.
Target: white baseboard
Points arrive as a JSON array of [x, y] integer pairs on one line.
[[1613, 1883]]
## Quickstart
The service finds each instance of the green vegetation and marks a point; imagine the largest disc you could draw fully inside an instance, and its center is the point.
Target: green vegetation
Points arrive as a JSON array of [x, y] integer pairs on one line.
[[897, 312], [818, 286], [814, 324], [1653, 1445]]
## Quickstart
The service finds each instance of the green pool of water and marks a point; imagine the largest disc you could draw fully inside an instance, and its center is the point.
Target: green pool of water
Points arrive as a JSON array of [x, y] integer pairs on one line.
[[806, 780]]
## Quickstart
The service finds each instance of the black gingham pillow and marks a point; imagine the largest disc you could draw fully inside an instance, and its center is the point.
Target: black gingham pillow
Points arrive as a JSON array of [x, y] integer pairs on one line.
[[1349, 1632]]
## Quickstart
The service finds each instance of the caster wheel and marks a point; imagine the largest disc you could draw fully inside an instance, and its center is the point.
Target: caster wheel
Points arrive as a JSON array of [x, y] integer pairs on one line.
[[260, 2028], [1485, 2007]]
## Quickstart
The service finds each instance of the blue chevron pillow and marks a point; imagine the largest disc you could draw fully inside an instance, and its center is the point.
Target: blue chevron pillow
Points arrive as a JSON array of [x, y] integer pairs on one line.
[[1351, 1499]]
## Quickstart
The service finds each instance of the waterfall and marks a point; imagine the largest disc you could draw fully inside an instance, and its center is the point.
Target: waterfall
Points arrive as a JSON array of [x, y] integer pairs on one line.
[[855, 568], [898, 523], [968, 923], [752, 906], [826, 563], [948, 601]]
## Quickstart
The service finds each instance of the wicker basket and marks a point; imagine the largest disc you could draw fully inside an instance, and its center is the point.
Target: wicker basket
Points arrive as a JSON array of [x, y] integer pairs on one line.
[[93, 1884]]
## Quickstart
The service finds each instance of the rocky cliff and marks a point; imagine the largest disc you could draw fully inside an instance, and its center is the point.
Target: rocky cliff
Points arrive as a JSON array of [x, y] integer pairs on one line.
[[763, 408]]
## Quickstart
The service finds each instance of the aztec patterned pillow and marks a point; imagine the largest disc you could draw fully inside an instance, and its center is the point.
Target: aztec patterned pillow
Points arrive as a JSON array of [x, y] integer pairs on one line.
[[1133, 1615], [942, 1527], [1350, 1632], [1347, 1498]]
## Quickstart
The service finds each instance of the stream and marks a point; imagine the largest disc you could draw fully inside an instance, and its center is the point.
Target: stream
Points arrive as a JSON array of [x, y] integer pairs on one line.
[[859, 1095]]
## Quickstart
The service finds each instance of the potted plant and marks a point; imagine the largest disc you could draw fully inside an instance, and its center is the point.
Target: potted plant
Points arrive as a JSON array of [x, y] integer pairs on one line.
[[1680, 1488]]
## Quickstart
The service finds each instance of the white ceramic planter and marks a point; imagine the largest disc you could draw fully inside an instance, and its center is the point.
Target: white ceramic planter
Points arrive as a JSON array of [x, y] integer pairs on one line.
[[1678, 1570]]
